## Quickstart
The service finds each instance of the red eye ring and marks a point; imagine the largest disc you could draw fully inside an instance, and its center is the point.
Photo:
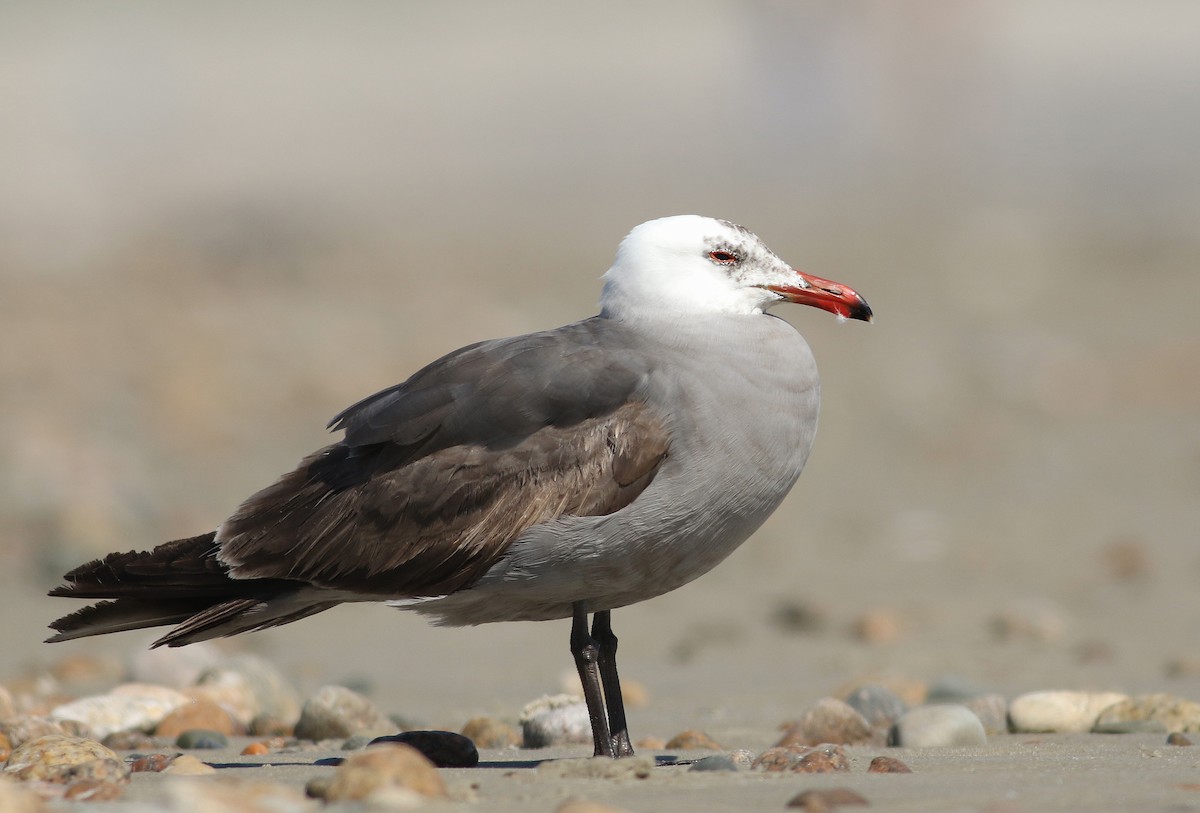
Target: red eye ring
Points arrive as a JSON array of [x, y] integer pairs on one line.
[[723, 257]]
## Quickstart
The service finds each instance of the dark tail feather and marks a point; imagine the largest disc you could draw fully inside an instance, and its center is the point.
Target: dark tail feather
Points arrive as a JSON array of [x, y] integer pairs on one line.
[[180, 582]]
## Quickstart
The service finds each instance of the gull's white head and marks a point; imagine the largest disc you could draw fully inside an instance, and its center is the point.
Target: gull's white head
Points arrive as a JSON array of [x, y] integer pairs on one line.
[[689, 265]]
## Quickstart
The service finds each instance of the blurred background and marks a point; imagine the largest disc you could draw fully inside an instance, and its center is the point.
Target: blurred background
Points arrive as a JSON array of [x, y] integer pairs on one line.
[[220, 223]]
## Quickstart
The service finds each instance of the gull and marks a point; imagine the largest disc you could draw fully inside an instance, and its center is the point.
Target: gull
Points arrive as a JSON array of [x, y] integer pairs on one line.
[[558, 474]]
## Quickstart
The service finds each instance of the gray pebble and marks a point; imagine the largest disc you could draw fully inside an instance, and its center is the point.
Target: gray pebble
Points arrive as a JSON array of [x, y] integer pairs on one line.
[[201, 738], [992, 711], [937, 726], [717, 762], [953, 689], [336, 712], [879, 705], [742, 758]]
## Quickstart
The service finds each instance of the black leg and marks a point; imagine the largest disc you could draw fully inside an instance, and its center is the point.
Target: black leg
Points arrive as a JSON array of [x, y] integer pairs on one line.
[[603, 635], [587, 658]]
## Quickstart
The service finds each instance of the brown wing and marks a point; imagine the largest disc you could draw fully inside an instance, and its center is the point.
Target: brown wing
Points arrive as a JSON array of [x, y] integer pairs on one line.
[[374, 520]]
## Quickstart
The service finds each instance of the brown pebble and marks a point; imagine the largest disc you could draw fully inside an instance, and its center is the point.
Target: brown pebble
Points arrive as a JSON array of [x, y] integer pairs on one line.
[[1175, 738], [5, 747], [829, 720], [825, 759], [151, 763], [779, 758], [878, 626], [381, 767], [693, 740], [635, 695], [317, 787], [1127, 559], [64, 760], [818, 801], [256, 749], [264, 725], [651, 743], [887, 765], [129, 741], [203, 714], [93, 790], [488, 732]]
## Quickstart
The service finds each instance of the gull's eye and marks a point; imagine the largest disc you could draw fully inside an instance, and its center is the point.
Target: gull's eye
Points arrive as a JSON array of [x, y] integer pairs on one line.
[[723, 257]]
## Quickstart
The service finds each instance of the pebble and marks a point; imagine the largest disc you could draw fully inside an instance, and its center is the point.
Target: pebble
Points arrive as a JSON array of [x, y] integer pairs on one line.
[[650, 744], [743, 758], [825, 799], [264, 725], [132, 706], [150, 763], [937, 726], [887, 765], [93, 790], [1033, 619], [1175, 713], [188, 765], [1059, 711], [358, 742], [5, 748], [560, 719], [199, 738], [203, 713], [878, 705], [913, 692], [23, 728], [693, 740], [336, 712], [488, 732], [953, 689], [256, 749], [797, 616], [129, 741], [252, 686], [1184, 666], [1175, 738], [773, 760], [383, 768], [882, 626], [992, 711], [445, 749], [717, 762], [823, 759], [55, 758], [828, 720]]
